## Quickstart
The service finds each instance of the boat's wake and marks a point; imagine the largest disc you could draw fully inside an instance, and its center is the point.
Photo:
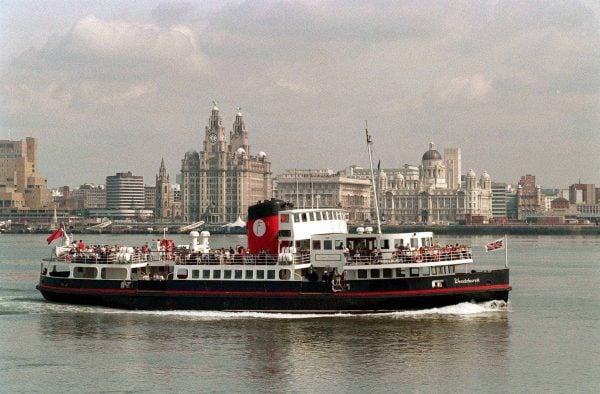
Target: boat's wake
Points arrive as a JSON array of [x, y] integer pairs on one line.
[[26, 305]]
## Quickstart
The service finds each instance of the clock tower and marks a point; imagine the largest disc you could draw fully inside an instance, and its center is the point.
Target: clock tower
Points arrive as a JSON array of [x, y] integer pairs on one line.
[[223, 179]]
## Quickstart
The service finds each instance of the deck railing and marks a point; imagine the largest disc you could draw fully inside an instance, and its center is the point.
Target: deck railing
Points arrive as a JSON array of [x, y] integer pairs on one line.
[[412, 257], [430, 256]]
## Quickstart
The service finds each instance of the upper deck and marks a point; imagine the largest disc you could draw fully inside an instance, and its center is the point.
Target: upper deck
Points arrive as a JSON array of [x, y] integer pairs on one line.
[[301, 224]]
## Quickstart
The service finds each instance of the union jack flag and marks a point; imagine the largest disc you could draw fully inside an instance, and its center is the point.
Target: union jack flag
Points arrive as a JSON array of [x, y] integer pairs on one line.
[[498, 244]]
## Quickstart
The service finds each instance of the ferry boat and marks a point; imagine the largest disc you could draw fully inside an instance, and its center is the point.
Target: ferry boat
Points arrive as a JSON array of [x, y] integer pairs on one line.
[[296, 260]]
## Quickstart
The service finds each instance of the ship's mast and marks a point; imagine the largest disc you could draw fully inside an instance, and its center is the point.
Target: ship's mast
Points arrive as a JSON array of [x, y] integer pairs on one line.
[[369, 143]]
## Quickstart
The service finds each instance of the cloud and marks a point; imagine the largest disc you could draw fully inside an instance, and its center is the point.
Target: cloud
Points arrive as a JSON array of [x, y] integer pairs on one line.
[[103, 62], [448, 71], [470, 88], [174, 13]]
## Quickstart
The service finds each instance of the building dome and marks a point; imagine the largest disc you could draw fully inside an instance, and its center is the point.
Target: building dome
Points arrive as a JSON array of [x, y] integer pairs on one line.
[[471, 174], [485, 176], [241, 151], [432, 154], [262, 155]]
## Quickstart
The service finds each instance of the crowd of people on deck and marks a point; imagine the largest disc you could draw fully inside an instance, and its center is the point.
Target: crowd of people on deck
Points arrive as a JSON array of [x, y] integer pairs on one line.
[[408, 254]]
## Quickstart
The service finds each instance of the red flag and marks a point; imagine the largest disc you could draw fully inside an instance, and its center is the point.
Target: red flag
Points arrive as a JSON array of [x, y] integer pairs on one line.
[[498, 244], [55, 235]]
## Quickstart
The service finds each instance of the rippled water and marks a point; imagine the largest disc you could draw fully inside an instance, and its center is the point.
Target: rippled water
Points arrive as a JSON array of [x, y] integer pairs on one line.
[[546, 339]]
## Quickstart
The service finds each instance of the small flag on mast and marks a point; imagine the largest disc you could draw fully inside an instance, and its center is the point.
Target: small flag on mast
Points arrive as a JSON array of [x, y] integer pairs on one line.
[[495, 245]]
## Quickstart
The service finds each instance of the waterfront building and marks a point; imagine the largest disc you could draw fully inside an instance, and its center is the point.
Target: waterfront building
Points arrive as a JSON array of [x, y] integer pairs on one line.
[[224, 178], [125, 198], [452, 161], [125, 191], [21, 187], [582, 193], [325, 188], [500, 193], [530, 199], [150, 198], [422, 194], [89, 196]]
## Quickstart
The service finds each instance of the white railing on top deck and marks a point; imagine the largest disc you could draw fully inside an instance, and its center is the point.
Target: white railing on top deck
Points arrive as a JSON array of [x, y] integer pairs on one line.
[[406, 257]]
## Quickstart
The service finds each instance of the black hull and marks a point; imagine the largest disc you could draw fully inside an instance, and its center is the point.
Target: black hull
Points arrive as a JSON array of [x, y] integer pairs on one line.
[[280, 296]]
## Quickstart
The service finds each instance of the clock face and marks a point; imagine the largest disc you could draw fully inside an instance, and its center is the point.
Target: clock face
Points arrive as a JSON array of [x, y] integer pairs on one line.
[[212, 137]]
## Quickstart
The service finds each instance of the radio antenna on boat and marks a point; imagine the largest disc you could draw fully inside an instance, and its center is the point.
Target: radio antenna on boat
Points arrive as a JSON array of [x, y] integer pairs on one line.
[[369, 143]]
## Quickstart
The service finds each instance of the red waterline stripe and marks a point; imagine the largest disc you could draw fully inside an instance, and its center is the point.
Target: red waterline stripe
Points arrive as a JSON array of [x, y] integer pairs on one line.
[[445, 290]]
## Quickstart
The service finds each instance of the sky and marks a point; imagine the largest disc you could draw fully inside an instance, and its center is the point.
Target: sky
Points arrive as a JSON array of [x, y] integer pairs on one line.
[[112, 86]]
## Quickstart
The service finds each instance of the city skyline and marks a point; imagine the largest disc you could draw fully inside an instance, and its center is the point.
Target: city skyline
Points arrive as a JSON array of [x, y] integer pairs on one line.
[[103, 86]]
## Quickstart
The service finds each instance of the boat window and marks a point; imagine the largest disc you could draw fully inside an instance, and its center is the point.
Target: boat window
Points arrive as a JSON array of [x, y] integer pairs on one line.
[[182, 273], [270, 274], [237, 274], [285, 233], [339, 244], [414, 242], [260, 274], [296, 217], [320, 215], [113, 273], [285, 274], [427, 241], [387, 272], [400, 272], [226, 274], [195, 274], [386, 244], [60, 271], [85, 272], [450, 269], [249, 274], [375, 273], [205, 274], [303, 217], [362, 274], [398, 243], [425, 271], [327, 244], [217, 274], [414, 271], [316, 244], [284, 218]]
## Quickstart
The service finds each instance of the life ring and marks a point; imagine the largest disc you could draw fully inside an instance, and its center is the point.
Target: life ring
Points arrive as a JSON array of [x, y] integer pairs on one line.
[[419, 258]]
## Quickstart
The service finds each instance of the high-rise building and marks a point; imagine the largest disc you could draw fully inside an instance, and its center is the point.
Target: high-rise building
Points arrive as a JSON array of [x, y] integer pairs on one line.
[[223, 179], [500, 192], [20, 184], [125, 191]]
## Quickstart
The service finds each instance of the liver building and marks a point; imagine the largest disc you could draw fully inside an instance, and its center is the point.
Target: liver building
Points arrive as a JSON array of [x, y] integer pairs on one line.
[[223, 179]]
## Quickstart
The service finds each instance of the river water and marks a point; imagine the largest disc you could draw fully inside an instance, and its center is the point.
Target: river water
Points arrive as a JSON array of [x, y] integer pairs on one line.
[[547, 339]]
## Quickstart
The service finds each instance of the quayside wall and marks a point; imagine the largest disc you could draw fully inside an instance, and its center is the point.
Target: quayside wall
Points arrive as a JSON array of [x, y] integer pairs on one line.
[[497, 230]]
